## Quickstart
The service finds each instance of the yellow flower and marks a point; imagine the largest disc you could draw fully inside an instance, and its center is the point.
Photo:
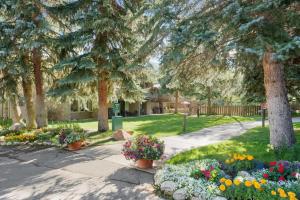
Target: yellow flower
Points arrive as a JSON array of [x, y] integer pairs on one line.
[[228, 182], [257, 185], [263, 181], [222, 188], [235, 156], [232, 161], [227, 161], [248, 183], [242, 157], [291, 194], [282, 195], [280, 190], [293, 198], [254, 181], [273, 193], [222, 180], [249, 157], [237, 182]]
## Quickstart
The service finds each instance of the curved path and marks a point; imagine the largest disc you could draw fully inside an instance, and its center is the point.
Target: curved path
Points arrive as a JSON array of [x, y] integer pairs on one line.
[[93, 173], [206, 136]]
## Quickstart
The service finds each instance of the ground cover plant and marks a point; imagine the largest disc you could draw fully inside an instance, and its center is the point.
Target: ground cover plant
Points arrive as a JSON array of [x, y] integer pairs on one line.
[[241, 176]]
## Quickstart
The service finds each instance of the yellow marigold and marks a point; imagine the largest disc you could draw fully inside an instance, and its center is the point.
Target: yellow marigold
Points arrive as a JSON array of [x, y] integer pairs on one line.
[[293, 198], [282, 195], [242, 157], [280, 190], [228, 182], [237, 182], [291, 194], [263, 181], [222, 180], [249, 157], [273, 193], [248, 183], [254, 181], [222, 187], [257, 185]]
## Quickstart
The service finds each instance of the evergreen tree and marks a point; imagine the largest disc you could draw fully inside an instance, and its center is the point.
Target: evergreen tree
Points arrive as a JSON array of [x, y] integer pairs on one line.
[[100, 50], [266, 30], [28, 33]]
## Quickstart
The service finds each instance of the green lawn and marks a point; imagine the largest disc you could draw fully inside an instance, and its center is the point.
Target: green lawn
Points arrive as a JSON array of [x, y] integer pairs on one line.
[[254, 142], [159, 125]]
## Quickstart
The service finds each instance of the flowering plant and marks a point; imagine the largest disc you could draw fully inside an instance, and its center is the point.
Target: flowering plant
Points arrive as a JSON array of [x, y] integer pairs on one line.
[[237, 162], [207, 169], [74, 137], [143, 147], [282, 171], [253, 189]]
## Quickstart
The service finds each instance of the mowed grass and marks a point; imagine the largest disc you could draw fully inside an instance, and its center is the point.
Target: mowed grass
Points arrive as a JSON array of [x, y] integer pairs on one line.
[[164, 125], [155, 125], [254, 142]]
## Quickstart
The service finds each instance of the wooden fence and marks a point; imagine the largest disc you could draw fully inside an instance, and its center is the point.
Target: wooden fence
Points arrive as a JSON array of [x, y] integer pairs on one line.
[[230, 110]]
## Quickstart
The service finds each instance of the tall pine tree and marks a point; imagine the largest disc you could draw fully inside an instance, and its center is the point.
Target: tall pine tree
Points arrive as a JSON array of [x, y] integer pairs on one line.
[[99, 48], [267, 30]]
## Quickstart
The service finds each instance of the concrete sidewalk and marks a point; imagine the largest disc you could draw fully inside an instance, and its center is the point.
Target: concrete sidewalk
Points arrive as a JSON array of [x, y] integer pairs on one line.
[[54, 174]]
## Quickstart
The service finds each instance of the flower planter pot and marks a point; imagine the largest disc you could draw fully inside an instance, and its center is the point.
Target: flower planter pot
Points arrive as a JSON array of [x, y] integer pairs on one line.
[[144, 164], [75, 146]]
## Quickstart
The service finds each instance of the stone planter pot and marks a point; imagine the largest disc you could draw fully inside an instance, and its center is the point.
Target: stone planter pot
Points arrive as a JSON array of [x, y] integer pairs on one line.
[[144, 164], [75, 146]]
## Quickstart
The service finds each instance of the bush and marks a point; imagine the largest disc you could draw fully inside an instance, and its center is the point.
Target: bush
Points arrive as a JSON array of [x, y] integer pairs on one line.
[[143, 147]]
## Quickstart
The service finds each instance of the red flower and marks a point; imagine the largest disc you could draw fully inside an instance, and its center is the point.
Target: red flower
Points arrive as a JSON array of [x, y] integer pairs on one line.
[[271, 169], [273, 163], [266, 176], [294, 174], [206, 173], [281, 178], [281, 169]]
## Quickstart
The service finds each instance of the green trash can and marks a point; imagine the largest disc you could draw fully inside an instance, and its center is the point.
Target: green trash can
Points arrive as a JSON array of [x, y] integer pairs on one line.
[[117, 123]]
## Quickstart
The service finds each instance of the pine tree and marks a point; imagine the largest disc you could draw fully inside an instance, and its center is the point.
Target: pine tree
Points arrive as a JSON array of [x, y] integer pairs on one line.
[[100, 50], [265, 30], [28, 33]]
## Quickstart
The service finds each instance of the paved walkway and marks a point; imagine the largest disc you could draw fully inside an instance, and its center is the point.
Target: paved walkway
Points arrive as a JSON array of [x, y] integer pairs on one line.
[[92, 173]]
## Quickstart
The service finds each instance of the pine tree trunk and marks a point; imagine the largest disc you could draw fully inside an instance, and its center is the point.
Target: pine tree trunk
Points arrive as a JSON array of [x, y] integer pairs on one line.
[[176, 101], [102, 104], [279, 112], [16, 114], [208, 100], [30, 110], [41, 109]]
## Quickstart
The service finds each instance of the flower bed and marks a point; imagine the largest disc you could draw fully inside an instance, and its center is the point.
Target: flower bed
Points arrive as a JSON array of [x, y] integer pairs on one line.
[[59, 136], [239, 177]]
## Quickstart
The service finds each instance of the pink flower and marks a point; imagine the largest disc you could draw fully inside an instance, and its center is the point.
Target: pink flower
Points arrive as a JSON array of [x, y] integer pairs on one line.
[[272, 164]]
